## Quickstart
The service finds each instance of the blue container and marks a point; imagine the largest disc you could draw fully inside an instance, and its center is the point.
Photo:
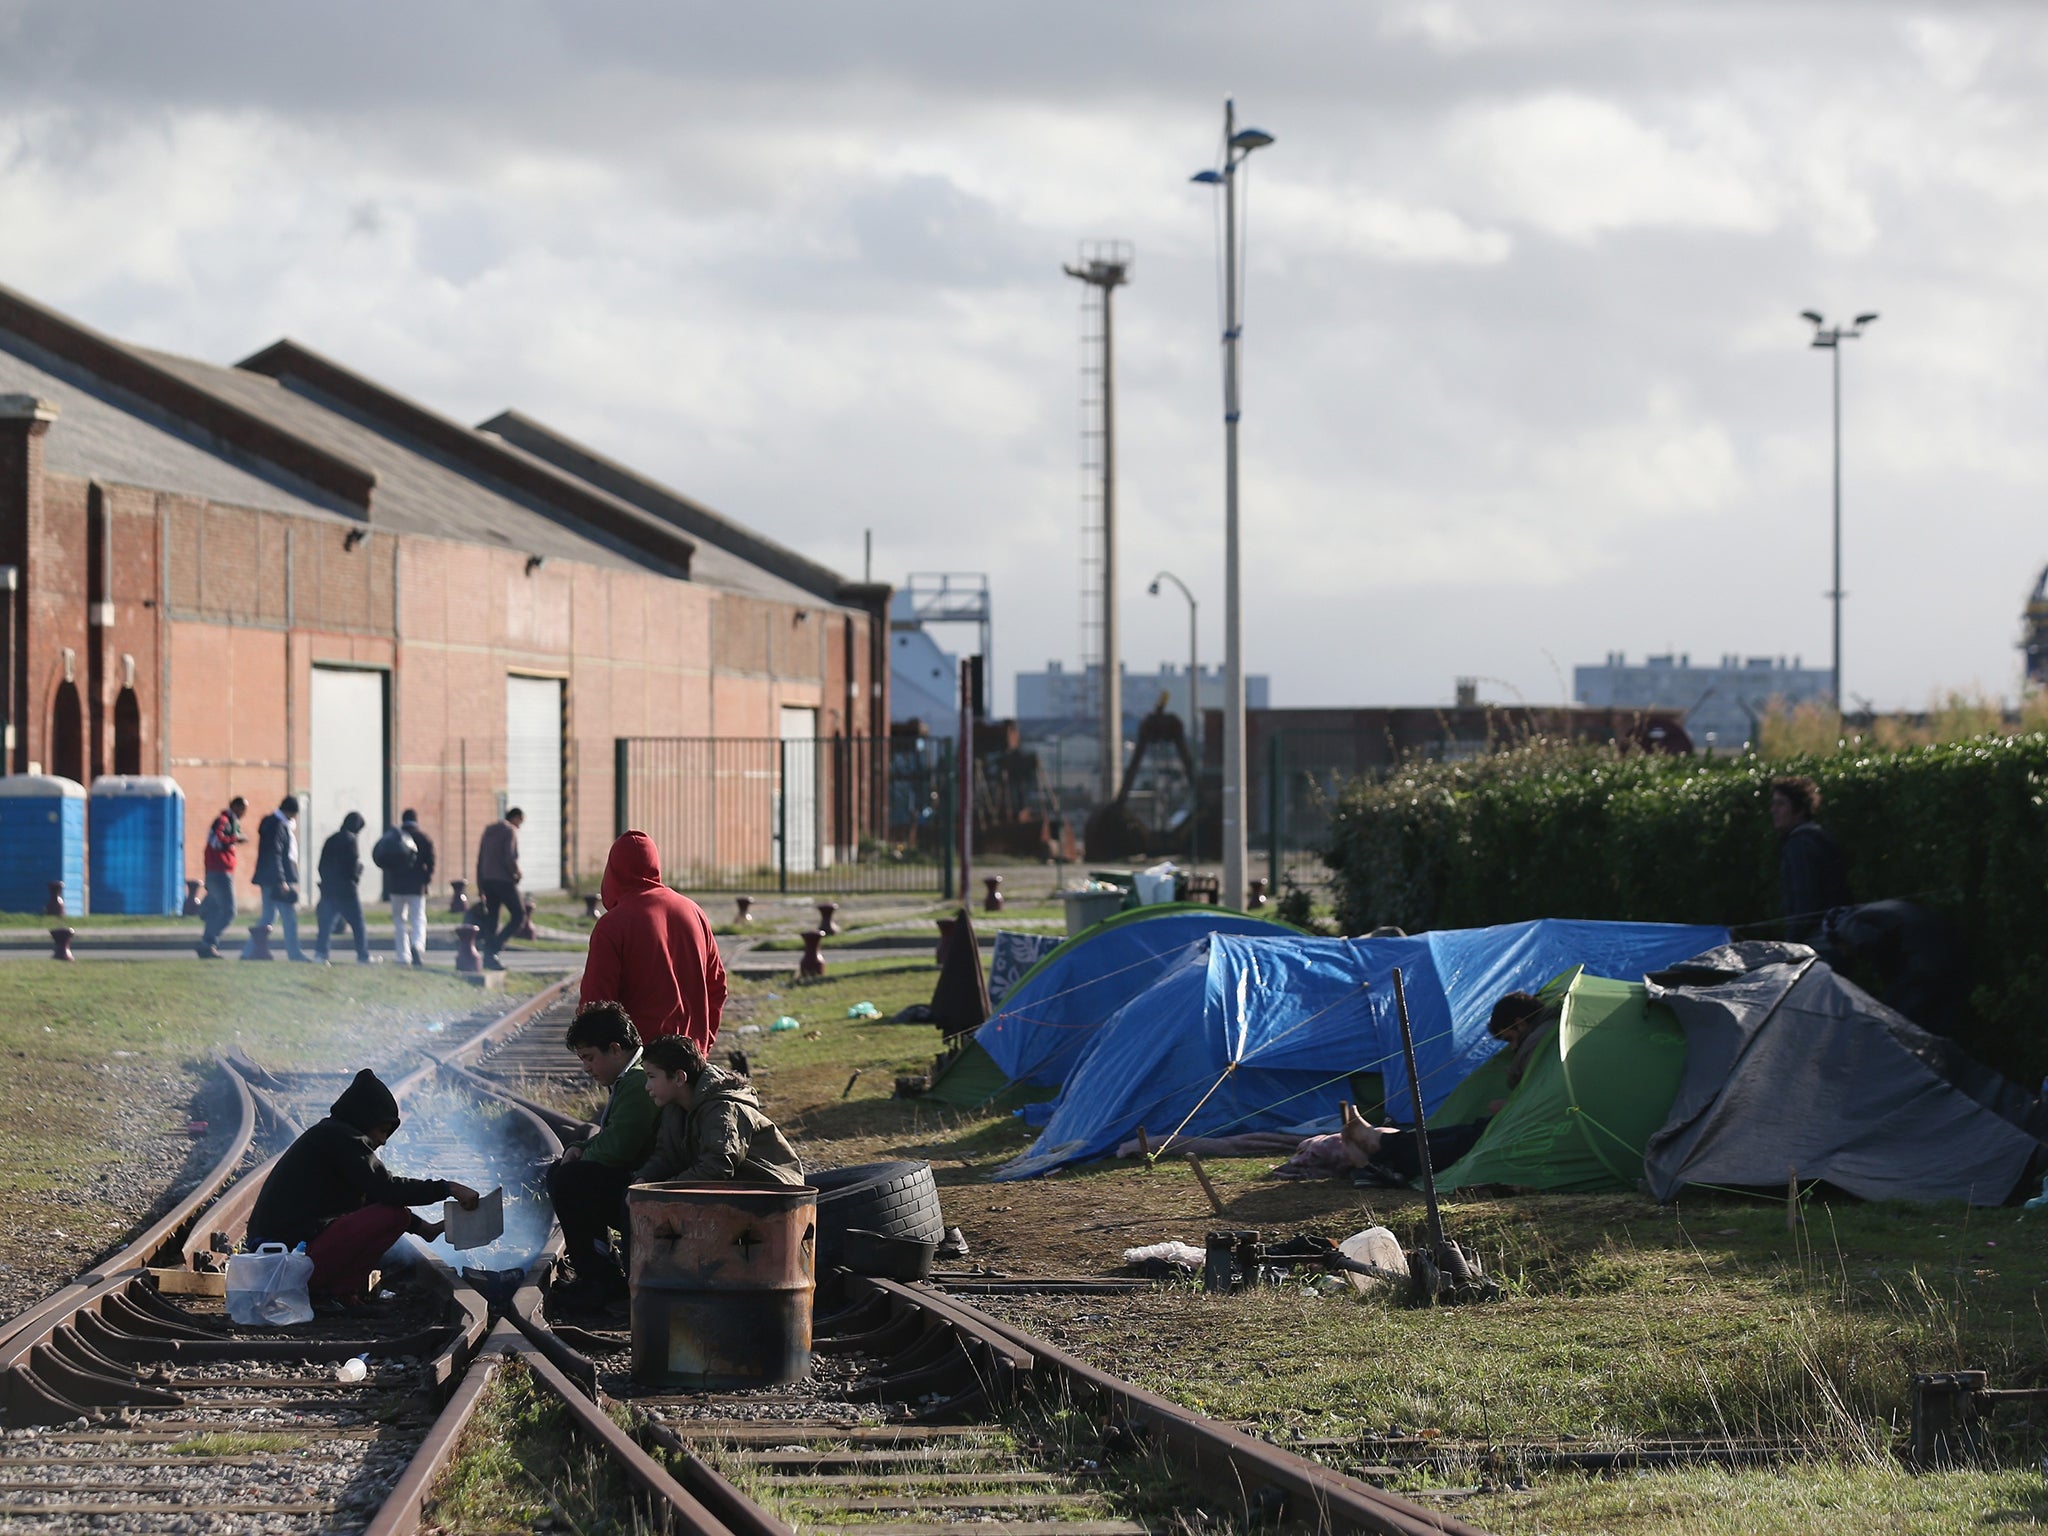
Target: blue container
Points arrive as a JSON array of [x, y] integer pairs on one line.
[[138, 844], [42, 838]]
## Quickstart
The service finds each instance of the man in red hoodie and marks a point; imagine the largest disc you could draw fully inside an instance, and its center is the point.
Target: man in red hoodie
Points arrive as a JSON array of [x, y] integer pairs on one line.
[[652, 952]]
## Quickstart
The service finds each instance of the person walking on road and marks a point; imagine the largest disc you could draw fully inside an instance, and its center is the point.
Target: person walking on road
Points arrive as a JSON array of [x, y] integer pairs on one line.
[[341, 871], [652, 952], [406, 855], [218, 909], [277, 875], [497, 883]]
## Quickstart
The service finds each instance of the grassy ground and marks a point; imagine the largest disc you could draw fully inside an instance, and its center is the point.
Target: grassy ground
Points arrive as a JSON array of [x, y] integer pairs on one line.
[[1623, 1320]]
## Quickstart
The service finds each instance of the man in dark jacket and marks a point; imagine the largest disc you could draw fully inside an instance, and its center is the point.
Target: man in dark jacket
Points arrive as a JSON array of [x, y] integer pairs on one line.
[[1813, 877], [333, 1193], [497, 884], [341, 870], [277, 874], [653, 952], [406, 855]]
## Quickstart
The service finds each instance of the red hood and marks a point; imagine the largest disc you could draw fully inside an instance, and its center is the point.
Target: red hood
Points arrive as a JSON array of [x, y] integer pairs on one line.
[[634, 866]]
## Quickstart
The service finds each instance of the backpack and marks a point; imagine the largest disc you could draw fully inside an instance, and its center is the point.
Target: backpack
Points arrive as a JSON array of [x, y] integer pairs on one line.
[[396, 852]]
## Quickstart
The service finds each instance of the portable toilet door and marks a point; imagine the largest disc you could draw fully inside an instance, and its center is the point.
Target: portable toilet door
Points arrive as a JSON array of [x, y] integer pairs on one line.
[[138, 844], [42, 840]]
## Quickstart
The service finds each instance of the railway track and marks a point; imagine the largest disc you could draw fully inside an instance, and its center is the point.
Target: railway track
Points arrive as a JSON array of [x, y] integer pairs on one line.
[[132, 1403]]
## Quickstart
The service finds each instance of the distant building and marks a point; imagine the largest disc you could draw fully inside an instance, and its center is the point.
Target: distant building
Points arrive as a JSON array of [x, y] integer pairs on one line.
[[1057, 694], [1721, 704], [924, 680]]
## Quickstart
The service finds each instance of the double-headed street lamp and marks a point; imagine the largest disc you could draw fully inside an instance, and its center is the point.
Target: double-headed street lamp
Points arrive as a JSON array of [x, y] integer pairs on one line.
[[1238, 144], [1831, 338], [1194, 715]]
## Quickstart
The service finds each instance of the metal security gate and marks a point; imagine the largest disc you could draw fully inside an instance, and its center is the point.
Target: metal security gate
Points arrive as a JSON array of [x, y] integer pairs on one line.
[[814, 813], [350, 762], [533, 776]]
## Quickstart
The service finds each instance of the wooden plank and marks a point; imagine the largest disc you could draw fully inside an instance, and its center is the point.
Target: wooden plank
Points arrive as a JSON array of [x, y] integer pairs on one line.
[[921, 1479], [942, 1455], [771, 1432], [179, 1513], [190, 1282], [1011, 1528], [892, 1506]]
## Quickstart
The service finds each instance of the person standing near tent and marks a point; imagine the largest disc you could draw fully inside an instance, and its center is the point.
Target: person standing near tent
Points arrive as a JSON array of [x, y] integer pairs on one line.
[[1813, 877], [652, 952]]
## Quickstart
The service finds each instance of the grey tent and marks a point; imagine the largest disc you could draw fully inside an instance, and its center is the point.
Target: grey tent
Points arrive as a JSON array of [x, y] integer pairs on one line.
[[1790, 1068]]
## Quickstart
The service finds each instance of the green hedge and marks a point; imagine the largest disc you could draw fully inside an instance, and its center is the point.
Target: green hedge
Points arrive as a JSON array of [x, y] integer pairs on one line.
[[1549, 831]]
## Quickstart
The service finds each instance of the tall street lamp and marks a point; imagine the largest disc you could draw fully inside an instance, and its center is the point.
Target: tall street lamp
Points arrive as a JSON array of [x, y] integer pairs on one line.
[[1238, 144], [1194, 715], [1831, 338]]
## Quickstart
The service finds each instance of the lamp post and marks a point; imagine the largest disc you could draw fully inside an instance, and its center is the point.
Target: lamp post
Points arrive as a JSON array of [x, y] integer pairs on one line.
[[1238, 144], [1194, 714], [1831, 337]]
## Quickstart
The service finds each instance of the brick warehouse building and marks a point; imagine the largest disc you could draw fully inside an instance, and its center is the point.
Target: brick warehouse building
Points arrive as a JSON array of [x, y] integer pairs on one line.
[[283, 576]]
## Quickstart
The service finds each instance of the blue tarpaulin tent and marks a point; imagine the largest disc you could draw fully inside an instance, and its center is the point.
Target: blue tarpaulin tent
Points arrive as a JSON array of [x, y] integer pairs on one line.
[[1056, 1007], [1241, 1033]]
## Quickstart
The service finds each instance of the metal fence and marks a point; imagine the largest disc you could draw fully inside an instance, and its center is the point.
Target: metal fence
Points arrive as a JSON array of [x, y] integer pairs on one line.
[[840, 814], [1294, 786]]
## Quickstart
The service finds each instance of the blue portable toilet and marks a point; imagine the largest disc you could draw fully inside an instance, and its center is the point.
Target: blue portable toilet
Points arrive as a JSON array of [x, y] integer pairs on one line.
[[138, 844], [42, 838]]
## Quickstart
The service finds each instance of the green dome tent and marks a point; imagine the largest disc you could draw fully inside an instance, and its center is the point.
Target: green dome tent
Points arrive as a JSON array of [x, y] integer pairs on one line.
[[1595, 1094]]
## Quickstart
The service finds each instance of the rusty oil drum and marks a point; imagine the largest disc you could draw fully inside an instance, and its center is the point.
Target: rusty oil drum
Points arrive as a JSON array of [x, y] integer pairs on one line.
[[722, 1281]]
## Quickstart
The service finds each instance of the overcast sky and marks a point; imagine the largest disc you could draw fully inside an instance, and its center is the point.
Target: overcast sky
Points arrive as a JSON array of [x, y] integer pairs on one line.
[[1525, 380]]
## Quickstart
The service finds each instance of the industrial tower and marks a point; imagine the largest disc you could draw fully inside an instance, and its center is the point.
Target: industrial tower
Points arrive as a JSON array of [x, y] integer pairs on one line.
[[1104, 267]]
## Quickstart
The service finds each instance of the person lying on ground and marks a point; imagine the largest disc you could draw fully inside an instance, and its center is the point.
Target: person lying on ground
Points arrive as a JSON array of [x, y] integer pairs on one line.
[[588, 1182], [333, 1193], [713, 1127], [1521, 1021]]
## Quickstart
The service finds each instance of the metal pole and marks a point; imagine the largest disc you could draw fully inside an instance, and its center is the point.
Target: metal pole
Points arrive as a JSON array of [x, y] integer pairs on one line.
[[1836, 594], [1436, 1217], [1273, 803], [942, 774], [782, 815], [1194, 739], [1112, 670], [1233, 616], [966, 758]]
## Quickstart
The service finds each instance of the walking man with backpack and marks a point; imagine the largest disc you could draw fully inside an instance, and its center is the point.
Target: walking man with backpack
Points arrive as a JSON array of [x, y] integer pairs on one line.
[[406, 855]]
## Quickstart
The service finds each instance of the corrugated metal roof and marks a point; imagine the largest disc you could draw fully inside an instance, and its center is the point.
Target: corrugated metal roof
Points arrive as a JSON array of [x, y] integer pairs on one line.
[[100, 435]]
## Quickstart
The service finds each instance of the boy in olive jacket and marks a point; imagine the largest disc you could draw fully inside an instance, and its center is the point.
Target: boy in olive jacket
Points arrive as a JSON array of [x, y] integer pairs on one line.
[[588, 1183], [713, 1128]]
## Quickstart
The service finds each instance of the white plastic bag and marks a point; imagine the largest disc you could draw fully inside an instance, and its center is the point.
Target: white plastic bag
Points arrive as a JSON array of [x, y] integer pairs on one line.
[[268, 1287]]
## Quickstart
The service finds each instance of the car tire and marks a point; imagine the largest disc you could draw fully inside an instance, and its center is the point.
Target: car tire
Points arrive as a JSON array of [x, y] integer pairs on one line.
[[895, 1199]]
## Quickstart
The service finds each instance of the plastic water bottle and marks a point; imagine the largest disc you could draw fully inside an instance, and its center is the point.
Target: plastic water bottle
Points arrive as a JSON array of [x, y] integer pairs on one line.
[[353, 1370]]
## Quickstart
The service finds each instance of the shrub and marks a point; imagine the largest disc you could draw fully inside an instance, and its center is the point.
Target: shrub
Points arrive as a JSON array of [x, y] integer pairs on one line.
[[1556, 831]]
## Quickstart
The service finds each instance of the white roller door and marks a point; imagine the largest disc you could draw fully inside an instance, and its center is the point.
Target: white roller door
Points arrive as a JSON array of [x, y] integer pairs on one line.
[[349, 768], [799, 813], [533, 776]]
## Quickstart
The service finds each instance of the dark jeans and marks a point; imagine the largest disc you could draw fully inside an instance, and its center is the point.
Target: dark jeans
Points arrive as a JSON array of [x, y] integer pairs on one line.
[[590, 1200], [218, 909], [333, 911], [496, 894], [1399, 1153]]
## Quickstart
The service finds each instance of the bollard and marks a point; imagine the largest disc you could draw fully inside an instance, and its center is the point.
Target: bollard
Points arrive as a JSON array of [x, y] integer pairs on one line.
[[993, 902], [457, 902], [946, 925], [54, 907], [259, 943], [60, 944], [590, 906], [466, 957], [746, 909], [813, 962], [525, 928], [192, 904], [1258, 896], [828, 917]]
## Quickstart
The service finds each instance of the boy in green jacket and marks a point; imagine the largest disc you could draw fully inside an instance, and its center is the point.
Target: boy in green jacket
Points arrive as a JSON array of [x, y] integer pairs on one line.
[[712, 1125], [588, 1182]]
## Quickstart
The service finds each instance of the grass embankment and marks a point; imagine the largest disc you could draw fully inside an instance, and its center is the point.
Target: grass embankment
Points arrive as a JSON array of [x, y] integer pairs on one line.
[[104, 1061], [1624, 1320]]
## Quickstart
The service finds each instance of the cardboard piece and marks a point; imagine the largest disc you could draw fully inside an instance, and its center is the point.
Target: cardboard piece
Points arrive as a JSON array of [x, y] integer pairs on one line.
[[478, 1228]]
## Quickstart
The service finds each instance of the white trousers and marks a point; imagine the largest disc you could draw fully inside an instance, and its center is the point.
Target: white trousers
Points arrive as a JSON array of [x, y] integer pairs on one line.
[[409, 923]]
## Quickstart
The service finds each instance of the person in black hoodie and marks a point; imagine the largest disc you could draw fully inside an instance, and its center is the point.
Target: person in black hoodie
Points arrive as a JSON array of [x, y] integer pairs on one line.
[[333, 1193], [341, 867], [1813, 876]]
